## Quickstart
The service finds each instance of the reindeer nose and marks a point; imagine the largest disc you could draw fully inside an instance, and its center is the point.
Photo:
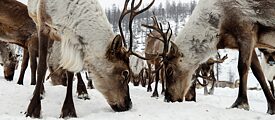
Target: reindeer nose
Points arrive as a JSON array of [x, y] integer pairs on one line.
[[120, 108], [168, 98], [9, 77], [271, 61]]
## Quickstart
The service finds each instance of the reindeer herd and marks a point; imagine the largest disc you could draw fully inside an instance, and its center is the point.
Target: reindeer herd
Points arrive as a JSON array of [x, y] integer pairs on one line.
[[72, 36]]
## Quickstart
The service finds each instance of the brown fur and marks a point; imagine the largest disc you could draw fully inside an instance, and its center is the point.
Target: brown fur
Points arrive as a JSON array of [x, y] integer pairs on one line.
[[9, 59], [154, 46]]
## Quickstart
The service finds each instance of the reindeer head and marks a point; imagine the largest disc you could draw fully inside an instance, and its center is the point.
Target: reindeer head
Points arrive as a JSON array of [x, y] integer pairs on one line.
[[118, 75], [269, 56], [10, 64], [171, 59]]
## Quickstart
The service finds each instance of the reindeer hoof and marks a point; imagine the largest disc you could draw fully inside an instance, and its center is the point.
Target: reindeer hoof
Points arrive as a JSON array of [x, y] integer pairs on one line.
[[84, 96], [34, 108], [271, 109], [155, 94], [90, 85], [241, 105], [162, 92], [149, 89], [68, 113], [33, 83]]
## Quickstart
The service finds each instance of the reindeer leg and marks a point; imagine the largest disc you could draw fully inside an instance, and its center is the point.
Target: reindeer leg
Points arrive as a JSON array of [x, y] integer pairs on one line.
[[149, 88], [24, 66], [191, 94], [257, 71], [90, 81], [246, 47], [205, 87], [271, 87], [162, 81], [81, 88], [35, 104], [155, 93], [211, 91], [33, 63], [68, 109]]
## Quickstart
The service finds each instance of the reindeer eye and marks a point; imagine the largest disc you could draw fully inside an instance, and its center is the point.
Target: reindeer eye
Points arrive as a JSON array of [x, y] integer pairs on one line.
[[169, 71]]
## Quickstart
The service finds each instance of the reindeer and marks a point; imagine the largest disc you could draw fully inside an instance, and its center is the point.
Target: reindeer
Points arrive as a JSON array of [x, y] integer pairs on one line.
[[8, 60], [268, 68], [17, 27], [207, 70], [86, 40], [154, 45], [216, 24], [137, 66]]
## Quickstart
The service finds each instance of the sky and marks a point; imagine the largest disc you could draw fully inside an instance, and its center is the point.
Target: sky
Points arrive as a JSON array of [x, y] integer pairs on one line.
[[109, 3]]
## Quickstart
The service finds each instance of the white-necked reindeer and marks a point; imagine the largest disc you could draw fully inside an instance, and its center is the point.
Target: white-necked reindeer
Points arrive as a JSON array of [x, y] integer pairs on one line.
[[218, 24], [87, 40]]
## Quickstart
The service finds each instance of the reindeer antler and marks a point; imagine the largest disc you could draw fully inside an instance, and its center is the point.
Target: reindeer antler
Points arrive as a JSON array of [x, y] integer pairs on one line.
[[165, 38], [133, 13]]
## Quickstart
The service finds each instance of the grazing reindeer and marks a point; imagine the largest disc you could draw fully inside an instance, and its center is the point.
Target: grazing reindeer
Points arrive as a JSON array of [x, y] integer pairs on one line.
[[17, 27], [154, 45], [8, 60], [137, 66], [229, 84], [267, 65], [207, 70], [86, 40], [244, 25]]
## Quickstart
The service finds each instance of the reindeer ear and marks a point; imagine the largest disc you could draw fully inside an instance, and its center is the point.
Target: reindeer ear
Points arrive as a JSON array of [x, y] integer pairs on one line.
[[117, 43], [174, 50]]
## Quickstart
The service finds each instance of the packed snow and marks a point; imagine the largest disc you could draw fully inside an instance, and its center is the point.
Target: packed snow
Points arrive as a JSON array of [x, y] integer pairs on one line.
[[15, 99]]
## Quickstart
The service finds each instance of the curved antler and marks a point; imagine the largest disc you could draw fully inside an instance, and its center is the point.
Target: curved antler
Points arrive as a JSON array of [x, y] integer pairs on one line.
[[133, 13]]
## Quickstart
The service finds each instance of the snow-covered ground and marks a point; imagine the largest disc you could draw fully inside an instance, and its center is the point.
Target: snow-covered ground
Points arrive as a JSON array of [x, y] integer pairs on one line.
[[15, 99]]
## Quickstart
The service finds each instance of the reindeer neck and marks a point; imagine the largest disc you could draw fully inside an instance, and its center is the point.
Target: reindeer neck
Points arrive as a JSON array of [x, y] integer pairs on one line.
[[82, 20], [197, 40]]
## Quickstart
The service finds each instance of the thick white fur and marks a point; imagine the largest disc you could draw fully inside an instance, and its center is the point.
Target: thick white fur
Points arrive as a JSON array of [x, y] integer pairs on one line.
[[83, 28], [197, 41]]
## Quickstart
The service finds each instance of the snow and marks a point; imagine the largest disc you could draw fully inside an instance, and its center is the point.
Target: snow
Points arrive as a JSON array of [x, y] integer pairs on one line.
[[15, 99]]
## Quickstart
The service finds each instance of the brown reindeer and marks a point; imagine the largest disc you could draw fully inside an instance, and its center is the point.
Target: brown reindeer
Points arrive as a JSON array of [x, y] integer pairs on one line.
[[17, 27], [207, 70], [137, 66], [154, 45], [87, 40], [216, 24], [8, 59]]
